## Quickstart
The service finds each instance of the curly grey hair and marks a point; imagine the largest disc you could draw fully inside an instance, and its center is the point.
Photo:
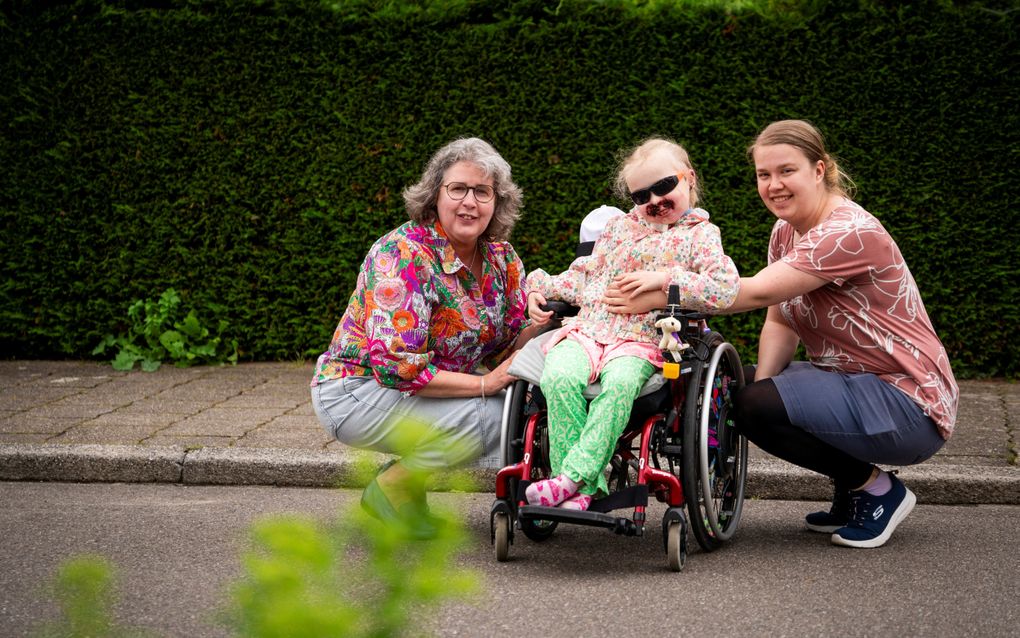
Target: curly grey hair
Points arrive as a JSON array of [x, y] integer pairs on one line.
[[421, 198]]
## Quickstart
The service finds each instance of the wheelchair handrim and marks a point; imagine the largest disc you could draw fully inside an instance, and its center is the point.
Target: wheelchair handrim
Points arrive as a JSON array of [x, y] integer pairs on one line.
[[711, 514]]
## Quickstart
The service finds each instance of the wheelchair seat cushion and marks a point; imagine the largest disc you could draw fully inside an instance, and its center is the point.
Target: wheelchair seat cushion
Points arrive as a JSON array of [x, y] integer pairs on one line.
[[530, 361]]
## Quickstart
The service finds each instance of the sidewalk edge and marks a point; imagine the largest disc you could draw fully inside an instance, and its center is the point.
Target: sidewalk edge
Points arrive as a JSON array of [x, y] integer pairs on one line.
[[767, 478]]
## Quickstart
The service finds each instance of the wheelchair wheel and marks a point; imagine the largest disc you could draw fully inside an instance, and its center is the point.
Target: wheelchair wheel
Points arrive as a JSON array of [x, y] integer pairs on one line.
[[501, 523], [520, 406], [676, 550], [674, 531], [513, 423], [714, 455]]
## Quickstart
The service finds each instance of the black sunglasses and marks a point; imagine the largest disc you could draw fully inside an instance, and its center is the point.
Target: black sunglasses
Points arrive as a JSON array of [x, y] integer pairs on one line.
[[662, 187]]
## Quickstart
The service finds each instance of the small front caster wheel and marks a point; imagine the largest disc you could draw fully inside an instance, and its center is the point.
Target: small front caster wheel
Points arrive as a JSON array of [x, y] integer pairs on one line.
[[501, 540], [676, 546]]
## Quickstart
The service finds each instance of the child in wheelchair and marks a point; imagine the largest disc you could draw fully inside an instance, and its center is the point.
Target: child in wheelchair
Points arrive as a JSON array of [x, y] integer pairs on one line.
[[663, 241]]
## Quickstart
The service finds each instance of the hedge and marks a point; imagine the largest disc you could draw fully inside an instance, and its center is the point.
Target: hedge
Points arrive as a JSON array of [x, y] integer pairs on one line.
[[247, 154]]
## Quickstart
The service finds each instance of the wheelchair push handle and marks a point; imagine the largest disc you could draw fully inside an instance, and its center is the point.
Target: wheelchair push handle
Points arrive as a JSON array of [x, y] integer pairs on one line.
[[673, 309], [673, 296], [678, 327]]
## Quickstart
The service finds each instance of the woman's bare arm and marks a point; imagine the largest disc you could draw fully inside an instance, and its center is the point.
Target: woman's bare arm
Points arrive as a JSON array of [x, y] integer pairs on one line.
[[446, 384], [775, 283], [776, 345]]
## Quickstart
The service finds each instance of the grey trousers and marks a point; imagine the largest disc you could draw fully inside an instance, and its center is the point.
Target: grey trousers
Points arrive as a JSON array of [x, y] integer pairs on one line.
[[357, 411]]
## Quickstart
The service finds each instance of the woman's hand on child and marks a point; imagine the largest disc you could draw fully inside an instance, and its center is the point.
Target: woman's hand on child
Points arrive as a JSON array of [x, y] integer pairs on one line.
[[635, 283], [538, 316], [625, 303]]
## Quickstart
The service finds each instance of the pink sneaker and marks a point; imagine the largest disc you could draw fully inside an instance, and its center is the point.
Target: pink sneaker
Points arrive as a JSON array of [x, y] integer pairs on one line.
[[578, 502], [550, 492]]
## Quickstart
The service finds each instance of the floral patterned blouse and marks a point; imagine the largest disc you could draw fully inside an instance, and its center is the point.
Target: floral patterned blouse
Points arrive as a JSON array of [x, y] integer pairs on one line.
[[417, 309], [691, 251]]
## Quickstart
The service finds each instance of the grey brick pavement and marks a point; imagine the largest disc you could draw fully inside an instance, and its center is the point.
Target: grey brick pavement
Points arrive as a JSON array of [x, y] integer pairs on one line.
[[253, 424]]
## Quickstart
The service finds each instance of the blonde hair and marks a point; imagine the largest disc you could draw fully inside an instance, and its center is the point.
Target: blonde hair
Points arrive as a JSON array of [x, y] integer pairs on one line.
[[803, 135], [421, 198], [641, 153]]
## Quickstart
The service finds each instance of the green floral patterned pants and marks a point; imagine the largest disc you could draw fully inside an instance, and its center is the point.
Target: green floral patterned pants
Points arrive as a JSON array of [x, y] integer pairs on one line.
[[581, 436]]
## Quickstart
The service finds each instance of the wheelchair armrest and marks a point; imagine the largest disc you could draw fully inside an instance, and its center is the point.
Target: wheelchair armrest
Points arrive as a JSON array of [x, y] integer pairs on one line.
[[692, 323], [560, 308]]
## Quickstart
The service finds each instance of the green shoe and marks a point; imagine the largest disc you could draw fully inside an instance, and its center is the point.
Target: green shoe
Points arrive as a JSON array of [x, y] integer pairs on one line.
[[410, 518]]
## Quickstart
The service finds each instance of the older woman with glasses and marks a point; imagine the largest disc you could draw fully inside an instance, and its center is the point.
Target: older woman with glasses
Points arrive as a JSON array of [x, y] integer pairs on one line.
[[437, 297]]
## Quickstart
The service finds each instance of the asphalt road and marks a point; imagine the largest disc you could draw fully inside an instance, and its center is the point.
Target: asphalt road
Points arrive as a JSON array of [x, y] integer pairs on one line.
[[948, 570]]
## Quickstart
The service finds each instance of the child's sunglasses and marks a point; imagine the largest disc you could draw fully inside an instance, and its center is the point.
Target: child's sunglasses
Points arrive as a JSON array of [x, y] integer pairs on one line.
[[662, 187]]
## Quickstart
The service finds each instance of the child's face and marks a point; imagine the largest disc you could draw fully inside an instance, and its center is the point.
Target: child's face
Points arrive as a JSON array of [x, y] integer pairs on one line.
[[653, 176]]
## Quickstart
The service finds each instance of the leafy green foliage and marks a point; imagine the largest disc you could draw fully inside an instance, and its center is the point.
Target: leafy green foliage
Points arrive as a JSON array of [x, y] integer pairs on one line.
[[260, 147], [354, 577], [358, 577], [156, 335]]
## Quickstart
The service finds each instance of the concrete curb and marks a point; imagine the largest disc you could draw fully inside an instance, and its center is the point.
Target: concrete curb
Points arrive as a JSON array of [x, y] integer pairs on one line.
[[767, 478], [933, 483]]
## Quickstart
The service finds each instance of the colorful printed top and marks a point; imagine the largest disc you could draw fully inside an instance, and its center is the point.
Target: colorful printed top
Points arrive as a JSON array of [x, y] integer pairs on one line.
[[869, 317], [417, 309], [691, 251]]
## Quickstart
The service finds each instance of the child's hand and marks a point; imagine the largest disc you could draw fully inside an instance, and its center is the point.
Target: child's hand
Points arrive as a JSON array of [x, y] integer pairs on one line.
[[539, 317], [633, 284]]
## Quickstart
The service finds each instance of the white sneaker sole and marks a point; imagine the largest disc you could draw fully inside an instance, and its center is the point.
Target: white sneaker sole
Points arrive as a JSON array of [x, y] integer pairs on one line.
[[823, 529], [909, 500]]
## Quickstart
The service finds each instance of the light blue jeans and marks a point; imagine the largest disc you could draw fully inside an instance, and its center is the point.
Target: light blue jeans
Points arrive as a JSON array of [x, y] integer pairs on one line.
[[359, 412]]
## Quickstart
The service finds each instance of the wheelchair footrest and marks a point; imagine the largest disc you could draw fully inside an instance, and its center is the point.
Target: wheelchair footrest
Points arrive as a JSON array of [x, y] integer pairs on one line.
[[618, 524]]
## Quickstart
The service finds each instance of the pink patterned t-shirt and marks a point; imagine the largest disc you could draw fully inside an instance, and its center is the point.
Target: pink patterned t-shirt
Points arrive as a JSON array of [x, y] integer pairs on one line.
[[869, 317]]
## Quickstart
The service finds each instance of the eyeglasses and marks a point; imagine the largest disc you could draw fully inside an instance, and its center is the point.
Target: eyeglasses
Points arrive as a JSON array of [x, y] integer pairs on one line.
[[459, 190], [662, 187]]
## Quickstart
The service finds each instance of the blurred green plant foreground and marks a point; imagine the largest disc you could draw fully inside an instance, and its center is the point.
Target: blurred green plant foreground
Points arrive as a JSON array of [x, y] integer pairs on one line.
[[245, 153], [353, 577]]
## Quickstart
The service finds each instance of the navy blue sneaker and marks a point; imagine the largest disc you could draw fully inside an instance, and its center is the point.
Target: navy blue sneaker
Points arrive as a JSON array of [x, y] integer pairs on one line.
[[873, 518], [837, 516]]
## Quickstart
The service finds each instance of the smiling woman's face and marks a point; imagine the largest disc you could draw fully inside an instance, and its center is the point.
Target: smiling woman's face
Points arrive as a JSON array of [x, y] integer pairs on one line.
[[789, 184], [464, 220]]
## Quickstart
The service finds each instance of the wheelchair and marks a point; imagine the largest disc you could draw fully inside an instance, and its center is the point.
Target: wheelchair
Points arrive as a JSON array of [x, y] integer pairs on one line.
[[679, 446]]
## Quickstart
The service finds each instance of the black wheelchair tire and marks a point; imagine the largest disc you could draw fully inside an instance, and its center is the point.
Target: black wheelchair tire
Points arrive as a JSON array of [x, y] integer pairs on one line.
[[693, 480], [535, 530]]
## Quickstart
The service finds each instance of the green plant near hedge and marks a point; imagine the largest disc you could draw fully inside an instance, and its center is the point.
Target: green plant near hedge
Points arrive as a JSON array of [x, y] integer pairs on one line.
[[158, 333], [250, 152]]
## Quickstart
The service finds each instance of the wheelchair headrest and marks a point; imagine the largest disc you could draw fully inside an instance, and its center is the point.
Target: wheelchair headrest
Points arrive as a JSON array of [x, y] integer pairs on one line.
[[595, 222]]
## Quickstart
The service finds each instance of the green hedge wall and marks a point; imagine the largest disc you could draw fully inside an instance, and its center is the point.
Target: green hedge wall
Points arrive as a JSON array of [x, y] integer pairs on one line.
[[248, 153]]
